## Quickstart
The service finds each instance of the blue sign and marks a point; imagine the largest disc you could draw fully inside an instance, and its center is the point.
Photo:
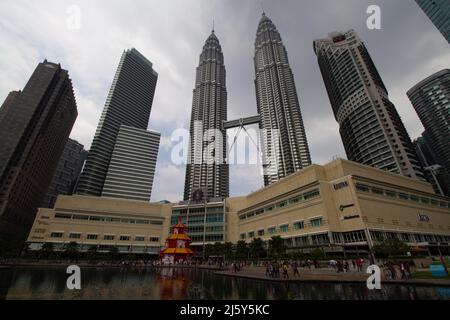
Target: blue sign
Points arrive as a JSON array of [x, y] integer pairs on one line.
[[438, 271]]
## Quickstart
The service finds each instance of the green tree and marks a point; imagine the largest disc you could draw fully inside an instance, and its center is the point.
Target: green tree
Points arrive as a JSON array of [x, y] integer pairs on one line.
[[241, 249], [113, 253], [391, 247], [257, 249], [92, 252], [209, 250], [218, 249], [228, 250], [277, 247], [71, 250], [47, 250]]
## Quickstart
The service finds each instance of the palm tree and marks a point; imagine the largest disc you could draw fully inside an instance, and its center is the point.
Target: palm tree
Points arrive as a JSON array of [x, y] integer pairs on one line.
[[47, 249], [218, 249], [228, 250], [257, 248], [92, 252], [71, 250], [113, 253], [241, 249], [277, 246]]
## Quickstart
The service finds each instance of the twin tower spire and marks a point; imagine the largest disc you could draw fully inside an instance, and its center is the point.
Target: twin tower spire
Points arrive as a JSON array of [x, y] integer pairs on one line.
[[282, 134]]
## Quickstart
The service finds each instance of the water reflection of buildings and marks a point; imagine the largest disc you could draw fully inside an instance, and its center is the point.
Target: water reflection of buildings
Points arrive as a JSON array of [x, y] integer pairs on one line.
[[173, 284]]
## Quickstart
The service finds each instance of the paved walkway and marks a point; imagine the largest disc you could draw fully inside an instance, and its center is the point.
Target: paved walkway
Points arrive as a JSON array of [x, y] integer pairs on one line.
[[326, 275]]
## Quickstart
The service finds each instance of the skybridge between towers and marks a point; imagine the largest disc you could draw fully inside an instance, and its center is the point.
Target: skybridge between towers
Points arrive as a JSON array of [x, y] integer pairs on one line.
[[240, 123]]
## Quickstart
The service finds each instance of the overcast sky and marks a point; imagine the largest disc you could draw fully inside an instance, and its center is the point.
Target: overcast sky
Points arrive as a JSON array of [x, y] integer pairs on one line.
[[171, 34]]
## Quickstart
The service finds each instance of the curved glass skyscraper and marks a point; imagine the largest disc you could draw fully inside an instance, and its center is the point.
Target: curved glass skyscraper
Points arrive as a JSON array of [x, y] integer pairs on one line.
[[285, 147], [206, 170]]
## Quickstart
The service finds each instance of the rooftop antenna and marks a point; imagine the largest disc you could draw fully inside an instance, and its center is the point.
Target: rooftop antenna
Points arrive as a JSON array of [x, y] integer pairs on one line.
[[262, 8], [213, 26]]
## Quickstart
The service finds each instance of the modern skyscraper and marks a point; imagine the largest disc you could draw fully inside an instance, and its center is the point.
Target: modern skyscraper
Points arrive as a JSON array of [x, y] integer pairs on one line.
[[206, 169], [431, 100], [67, 172], [371, 129], [285, 147], [34, 127], [132, 167], [434, 172], [129, 103], [439, 13]]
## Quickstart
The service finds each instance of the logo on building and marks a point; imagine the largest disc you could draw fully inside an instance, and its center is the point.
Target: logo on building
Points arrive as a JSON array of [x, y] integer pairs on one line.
[[340, 185], [342, 207], [424, 217]]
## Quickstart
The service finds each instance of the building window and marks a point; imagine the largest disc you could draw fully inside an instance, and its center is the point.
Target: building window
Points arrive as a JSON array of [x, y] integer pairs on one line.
[[272, 230], [299, 225], [56, 234], [284, 228], [75, 235], [139, 238], [261, 232], [154, 239], [317, 222], [362, 187], [251, 234], [124, 238], [108, 237], [63, 216], [92, 236], [243, 236]]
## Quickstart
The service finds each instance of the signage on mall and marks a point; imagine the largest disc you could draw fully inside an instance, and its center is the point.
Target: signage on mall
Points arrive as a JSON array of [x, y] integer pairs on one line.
[[342, 207], [424, 218], [340, 185]]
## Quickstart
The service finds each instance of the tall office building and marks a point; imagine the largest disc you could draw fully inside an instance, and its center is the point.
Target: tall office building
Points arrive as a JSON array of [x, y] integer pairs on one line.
[[439, 13], [132, 167], [434, 172], [431, 100], [129, 103], [285, 147], [371, 129], [207, 173], [67, 172], [34, 127]]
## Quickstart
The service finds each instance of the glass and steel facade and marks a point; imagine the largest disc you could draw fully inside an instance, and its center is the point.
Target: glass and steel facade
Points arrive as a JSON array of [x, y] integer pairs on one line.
[[370, 126], [206, 222], [129, 103], [132, 167], [209, 110], [439, 13], [285, 147], [431, 100], [35, 125]]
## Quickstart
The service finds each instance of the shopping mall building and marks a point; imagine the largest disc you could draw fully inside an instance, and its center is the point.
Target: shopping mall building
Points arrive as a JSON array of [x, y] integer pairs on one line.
[[342, 207]]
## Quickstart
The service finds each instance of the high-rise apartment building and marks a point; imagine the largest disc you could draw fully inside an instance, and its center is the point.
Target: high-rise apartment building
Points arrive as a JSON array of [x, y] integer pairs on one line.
[[34, 127], [129, 103], [67, 172], [285, 147], [132, 167], [439, 13], [370, 126], [206, 170], [431, 100]]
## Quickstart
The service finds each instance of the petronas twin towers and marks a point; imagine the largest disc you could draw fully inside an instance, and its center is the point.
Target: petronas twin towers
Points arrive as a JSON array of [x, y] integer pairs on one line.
[[284, 144]]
